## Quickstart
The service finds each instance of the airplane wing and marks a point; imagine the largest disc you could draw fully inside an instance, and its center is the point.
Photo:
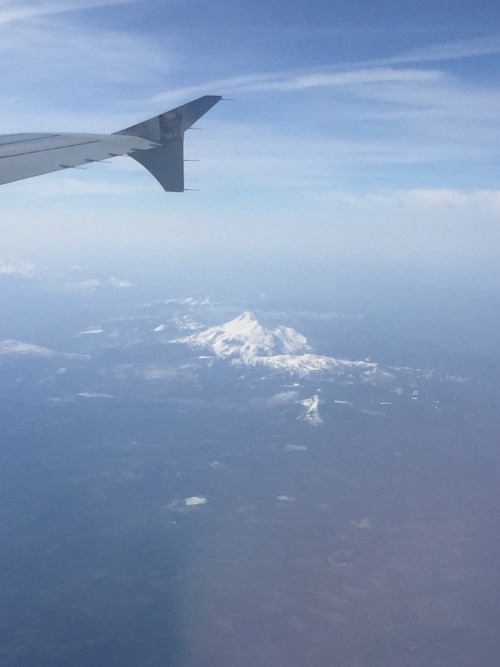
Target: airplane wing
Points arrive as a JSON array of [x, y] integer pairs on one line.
[[157, 144]]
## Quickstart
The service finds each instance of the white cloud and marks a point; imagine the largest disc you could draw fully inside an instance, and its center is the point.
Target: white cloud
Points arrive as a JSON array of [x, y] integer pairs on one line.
[[429, 199], [74, 54], [19, 348], [355, 77], [95, 184], [9, 267], [455, 199], [20, 10], [331, 129], [455, 50], [388, 140], [68, 71], [120, 284], [91, 331], [92, 284], [294, 81]]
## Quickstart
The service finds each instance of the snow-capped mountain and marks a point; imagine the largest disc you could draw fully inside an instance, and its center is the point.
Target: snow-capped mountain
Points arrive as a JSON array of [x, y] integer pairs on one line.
[[245, 341], [244, 338]]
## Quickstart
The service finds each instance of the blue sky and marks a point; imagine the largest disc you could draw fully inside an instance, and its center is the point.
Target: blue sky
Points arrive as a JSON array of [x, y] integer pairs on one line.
[[358, 127]]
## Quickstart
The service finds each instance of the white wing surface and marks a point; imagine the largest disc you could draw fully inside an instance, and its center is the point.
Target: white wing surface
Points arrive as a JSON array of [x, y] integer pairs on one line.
[[157, 144]]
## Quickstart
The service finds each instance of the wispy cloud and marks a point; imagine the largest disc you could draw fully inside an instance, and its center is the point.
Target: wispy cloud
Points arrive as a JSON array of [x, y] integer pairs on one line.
[[94, 184], [430, 199], [289, 81], [19, 10], [318, 125], [380, 70], [456, 50], [17, 267], [301, 144], [76, 55], [67, 68], [479, 200], [349, 78]]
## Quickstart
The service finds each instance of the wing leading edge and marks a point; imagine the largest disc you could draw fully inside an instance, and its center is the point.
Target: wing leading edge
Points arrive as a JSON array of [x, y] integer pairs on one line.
[[157, 144]]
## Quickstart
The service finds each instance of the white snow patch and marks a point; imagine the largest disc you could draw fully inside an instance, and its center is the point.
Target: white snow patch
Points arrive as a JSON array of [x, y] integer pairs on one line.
[[91, 331], [456, 378], [59, 400], [93, 394], [186, 323], [298, 364], [283, 398], [189, 301], [154, 373], [311, 414], [121, 284], [217, 465], [92, 284], [194, 501], [286, 499]]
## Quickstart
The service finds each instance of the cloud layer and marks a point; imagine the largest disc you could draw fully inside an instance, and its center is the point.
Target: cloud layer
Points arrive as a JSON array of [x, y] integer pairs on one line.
[[388, 133]]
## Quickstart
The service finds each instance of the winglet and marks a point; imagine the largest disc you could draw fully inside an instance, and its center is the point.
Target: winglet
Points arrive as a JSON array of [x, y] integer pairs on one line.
[[166, 161]]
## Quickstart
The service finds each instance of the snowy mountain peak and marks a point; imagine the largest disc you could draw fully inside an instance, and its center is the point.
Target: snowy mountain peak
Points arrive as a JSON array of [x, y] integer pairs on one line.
[[245, 338], [245, 325]]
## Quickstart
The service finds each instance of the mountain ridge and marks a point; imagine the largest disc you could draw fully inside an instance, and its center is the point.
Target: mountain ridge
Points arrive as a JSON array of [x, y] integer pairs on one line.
[[244, 340]]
